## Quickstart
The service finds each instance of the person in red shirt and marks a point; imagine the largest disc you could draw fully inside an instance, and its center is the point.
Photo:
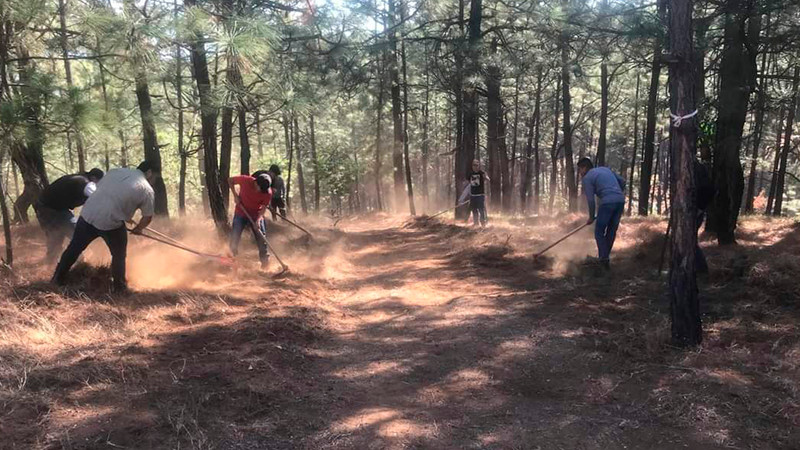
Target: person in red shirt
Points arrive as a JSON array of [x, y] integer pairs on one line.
[[254, 195]]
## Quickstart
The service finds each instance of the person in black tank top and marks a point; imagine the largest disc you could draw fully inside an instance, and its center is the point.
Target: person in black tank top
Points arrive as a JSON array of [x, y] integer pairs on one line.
[[55, 204]]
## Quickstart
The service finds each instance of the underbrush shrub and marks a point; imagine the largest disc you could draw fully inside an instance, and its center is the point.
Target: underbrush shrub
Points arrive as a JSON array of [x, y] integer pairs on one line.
[[780, 275]]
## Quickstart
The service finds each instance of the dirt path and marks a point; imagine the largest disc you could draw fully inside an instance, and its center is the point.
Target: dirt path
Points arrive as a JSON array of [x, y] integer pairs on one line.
[[390, 336]]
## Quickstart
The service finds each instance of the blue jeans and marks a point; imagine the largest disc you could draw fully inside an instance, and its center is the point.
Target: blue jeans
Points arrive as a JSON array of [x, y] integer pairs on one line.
[[477, 204], [85, 233], [605, 231], [239, 224]]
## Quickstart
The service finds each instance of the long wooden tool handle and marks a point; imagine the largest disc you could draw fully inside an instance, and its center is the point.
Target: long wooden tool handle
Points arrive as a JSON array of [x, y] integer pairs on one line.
[[561, 240], [449, 209], [296, 225], [180, 246]]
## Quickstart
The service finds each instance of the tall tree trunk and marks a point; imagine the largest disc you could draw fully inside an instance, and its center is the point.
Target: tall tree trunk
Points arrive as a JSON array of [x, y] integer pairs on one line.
[[152, 152], [554, 149], [289, 136], [494, 110], [179, 98], [684, 303], [9, 259], [531, 157], [407, 162], [425, 136], [461, 159], [226, 141], [301, 182], [777, 159], [605, 81], [737, 80], [646, 171], [787, 143], [62, 15], [635, 144], [208, 114], [537, 190], [378, 131], [470, 94], [397, 113], [244, 142], [28, 155], [513, 160], [315, 162], [761, 106], [572, 187]]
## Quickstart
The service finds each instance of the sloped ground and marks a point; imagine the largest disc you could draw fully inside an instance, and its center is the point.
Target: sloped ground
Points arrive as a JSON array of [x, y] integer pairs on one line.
[[392, 334]]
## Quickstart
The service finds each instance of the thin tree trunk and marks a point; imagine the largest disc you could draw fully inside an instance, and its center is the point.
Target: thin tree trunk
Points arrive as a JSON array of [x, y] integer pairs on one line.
[[179, 98], [683, 294], [378, 143], [513, 159], [315, 162], [461, 158], [9, 259], [776, 161], [244, 142], [208, 114], [554, 149], [635, 145], [494, 113], [300, 176], [761, 106], [62, 14], [407, 163], [259, 144], [572, 188], [426, 136], [537, 191], [152, 152], [289, 137], [646, 171], [787, 143], [604, 87], [397, 114], [226, 140]]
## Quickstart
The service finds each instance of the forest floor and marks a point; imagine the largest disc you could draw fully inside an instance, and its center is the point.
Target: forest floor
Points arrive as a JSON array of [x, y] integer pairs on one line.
[[391, 334]]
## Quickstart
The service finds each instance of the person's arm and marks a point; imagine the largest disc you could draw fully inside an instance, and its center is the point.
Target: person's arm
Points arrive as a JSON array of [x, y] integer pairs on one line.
[[147, 208], [89, 189], [464, 194], [588, 189], [233, 181]]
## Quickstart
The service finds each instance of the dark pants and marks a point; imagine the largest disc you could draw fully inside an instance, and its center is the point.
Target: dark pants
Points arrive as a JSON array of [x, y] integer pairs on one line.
[[477, 204], [605, 231], [85, 233], [238, 226], [699, 257], [57, 224], [277, 206]]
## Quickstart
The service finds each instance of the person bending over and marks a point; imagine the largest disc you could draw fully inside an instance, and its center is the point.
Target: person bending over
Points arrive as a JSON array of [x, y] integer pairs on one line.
[[119, 194], [609, 188], [254, 197], [278, 203], [55, 205]]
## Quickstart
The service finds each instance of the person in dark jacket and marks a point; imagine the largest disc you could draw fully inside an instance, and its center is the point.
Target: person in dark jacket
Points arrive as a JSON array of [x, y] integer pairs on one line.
[[55, 205], [278, 204], [704, 195]]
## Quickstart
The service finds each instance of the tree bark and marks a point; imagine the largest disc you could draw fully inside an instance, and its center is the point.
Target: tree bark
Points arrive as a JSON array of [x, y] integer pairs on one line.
[[646, 170], [635, 145], [532, 153], [425, 136], [787, 144], [572, 188], [554, 148], [407, 163], [315, 162], [494, 113], [604, 87], [378, 131], [737, 80], [9, 259], [208, 114], [301, 182], [62, 15], [761, 106], [152, 152], [683, 294], [397, 113], [289, 136], [470, 91]]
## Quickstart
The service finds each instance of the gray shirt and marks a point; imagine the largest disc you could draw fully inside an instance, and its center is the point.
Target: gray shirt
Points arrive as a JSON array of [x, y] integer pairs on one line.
[[119, 194]]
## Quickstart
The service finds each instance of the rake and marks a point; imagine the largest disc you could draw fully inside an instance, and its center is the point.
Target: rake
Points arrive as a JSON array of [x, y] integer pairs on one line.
[[260, 235]]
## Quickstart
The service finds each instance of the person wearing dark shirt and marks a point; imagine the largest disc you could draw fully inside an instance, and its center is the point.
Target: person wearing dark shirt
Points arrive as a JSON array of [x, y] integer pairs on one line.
[[278, 203], [477, 193], [704, 194], [55, 205]]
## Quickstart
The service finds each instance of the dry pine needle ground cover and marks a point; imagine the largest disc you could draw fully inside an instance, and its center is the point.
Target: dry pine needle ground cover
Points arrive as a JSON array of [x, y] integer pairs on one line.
[[403, 334]]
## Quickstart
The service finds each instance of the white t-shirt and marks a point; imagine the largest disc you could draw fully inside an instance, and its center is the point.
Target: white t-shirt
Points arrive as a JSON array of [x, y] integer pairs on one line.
[[119, 194]]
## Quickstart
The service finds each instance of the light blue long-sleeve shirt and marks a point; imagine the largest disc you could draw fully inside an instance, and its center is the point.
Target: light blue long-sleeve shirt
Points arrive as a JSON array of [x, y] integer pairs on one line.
[[606, 185]]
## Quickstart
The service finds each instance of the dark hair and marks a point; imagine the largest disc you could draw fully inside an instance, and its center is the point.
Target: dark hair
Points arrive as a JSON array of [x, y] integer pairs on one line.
[[275, 169], [263, 181], [95, 173], [148, 165], [585, 163]]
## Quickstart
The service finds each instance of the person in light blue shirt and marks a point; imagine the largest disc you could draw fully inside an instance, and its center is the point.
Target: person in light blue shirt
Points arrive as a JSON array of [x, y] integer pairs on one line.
[[610, 189]]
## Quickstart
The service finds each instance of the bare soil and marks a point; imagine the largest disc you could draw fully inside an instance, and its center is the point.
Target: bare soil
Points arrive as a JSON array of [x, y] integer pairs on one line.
[[390, 333]]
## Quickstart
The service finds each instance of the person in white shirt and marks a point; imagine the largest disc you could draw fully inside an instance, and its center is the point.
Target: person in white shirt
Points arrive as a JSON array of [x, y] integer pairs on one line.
[[119, 194]]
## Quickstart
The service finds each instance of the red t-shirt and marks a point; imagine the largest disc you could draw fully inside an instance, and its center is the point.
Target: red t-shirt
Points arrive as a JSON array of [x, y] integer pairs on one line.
[[254, 201]]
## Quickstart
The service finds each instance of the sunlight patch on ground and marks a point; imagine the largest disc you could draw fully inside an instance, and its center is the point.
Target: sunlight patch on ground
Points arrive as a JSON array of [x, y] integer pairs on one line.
[[373, 369], [388, 423]]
